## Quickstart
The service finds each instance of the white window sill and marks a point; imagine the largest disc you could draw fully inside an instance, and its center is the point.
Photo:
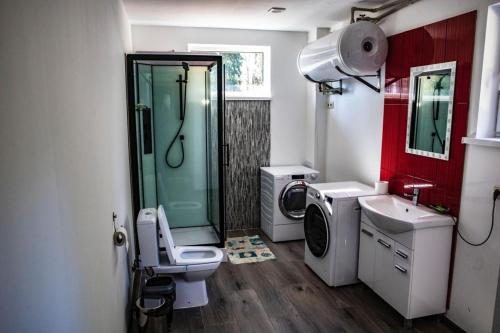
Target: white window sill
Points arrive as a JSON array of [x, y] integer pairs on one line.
[[485, 142], [249, 98]]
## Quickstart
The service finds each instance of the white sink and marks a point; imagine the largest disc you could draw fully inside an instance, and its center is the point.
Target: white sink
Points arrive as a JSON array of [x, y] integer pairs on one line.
[[397, 215]]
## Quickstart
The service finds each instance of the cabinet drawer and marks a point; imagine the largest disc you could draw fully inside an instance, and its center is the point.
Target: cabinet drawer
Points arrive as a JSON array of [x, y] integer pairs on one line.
[[401, 284], [402, 253], [384, 241]]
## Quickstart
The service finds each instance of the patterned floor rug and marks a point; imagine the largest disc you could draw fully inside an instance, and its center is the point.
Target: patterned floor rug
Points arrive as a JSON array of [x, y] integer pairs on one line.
[[247, 249]]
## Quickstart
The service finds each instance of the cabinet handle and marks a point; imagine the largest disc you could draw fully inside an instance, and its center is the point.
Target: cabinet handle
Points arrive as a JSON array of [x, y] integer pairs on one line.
[[384, 243], [366, 232], [401, 254], [401, 269]]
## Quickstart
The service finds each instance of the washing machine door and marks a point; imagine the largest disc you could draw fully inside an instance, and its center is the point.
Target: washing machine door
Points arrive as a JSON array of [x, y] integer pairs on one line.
[[316, 230], [292, 200]]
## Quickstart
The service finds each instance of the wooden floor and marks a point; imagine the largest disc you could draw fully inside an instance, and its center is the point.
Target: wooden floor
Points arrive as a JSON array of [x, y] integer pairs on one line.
[[284, 295]]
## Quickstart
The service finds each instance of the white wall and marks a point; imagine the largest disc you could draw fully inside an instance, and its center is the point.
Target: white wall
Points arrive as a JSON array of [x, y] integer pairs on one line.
[[315, 134], [476, 271], [64, 169], [354, 131], [288, 87], [354, 134], [475, 276]]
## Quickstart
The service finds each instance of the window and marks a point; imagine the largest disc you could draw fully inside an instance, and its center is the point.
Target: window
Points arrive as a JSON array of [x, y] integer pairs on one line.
[[247, 69]]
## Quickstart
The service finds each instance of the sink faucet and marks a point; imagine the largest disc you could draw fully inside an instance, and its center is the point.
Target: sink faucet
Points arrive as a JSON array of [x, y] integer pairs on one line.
[[414, 196]]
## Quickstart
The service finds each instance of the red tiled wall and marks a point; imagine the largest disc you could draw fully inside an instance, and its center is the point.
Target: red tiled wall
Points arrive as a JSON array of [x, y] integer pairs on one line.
[[448, 40]]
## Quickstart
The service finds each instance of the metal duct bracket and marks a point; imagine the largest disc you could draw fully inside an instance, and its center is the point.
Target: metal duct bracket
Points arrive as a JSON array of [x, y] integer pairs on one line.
[[329, 89], [361, 79], [386, 10]]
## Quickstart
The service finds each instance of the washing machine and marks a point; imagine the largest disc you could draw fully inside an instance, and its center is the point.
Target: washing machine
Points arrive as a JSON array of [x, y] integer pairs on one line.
[[283, 200], [331, 227]]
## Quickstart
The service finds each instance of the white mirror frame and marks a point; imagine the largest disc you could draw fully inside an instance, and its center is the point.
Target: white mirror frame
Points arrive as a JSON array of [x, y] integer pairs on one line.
[[415, 71]]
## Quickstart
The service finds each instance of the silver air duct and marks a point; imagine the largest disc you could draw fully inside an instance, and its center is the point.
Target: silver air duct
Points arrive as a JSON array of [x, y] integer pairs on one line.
[[359, 49]]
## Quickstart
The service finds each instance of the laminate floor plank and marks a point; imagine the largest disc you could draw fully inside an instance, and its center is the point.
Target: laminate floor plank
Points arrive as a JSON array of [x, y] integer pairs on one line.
[[187, 321], [286, 296], [218, 311], [223, 328], [252, 317]]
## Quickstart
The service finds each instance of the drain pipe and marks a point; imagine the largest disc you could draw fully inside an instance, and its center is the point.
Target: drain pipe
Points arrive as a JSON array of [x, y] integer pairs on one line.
[[389, 9]]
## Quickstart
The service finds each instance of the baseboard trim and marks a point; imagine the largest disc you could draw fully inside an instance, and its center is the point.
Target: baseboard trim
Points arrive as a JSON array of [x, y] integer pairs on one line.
[[452, 325]]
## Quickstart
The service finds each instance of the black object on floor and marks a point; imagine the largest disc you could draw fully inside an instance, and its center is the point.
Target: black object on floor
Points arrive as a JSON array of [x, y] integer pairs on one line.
[[155, 306]]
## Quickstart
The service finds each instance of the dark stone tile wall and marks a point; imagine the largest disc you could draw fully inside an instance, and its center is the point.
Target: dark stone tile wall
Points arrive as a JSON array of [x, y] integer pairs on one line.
[[247, 126]]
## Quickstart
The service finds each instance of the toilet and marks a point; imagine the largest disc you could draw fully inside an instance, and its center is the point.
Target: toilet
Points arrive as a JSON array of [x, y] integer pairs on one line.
[[190, 266]]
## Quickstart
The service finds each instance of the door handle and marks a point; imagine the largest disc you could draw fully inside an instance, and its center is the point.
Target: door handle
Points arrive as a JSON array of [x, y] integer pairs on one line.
[[402, 254], [226, 154], [400, 268], [366, 232], [384, 243], [147, 129]]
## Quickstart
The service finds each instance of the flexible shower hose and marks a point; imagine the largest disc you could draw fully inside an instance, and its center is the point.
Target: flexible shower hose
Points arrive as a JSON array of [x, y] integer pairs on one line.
[[435, 111], [177, 135]]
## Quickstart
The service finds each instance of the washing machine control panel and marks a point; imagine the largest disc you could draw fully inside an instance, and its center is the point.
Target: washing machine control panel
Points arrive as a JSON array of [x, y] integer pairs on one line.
[[307, 176]]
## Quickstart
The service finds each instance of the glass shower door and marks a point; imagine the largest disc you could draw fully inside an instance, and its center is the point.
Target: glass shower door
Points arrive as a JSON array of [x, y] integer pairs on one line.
[[178, 143], [145, 138], [212, 130]]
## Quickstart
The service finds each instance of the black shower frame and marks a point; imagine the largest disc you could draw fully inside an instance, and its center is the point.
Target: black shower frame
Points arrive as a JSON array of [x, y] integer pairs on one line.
[[132, 137]]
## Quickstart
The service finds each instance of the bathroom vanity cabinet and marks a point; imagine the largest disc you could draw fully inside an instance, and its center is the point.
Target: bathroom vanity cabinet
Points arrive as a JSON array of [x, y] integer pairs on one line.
[[408, 270]]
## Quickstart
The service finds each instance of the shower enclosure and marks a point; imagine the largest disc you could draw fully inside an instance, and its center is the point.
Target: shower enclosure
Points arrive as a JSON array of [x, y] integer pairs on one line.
[[175, 105]]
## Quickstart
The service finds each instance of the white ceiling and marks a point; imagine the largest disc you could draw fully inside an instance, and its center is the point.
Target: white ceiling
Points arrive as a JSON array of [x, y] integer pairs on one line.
[[300, 15]]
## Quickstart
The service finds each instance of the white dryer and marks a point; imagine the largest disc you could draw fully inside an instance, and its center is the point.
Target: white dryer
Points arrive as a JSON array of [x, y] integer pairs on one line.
[[331, 225], [283, 200]]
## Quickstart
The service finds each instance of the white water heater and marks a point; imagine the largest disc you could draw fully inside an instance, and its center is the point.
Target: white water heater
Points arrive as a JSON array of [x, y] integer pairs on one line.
[[358, 49]]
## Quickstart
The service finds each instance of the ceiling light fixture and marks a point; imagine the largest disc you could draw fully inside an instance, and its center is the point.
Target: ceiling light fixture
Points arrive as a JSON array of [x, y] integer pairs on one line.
[[276, 10]]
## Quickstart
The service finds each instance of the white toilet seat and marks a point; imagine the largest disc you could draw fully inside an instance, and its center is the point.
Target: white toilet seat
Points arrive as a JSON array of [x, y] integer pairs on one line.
[[206, 262], [189, 266], [194, 255], [186, 255], [166, 268]]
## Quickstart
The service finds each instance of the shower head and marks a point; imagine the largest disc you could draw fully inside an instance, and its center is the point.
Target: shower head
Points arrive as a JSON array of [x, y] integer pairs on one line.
[[185, 65]]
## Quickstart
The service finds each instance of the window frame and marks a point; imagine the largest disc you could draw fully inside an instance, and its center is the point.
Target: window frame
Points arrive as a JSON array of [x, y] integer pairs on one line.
[[497, 127], [265, 92]]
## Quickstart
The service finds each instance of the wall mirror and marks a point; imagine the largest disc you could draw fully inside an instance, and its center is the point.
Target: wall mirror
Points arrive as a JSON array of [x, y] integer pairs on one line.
[[430, 110]]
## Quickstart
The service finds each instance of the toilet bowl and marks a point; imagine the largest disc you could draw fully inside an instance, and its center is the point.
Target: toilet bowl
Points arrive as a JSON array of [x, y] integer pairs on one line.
[[190, 266]]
